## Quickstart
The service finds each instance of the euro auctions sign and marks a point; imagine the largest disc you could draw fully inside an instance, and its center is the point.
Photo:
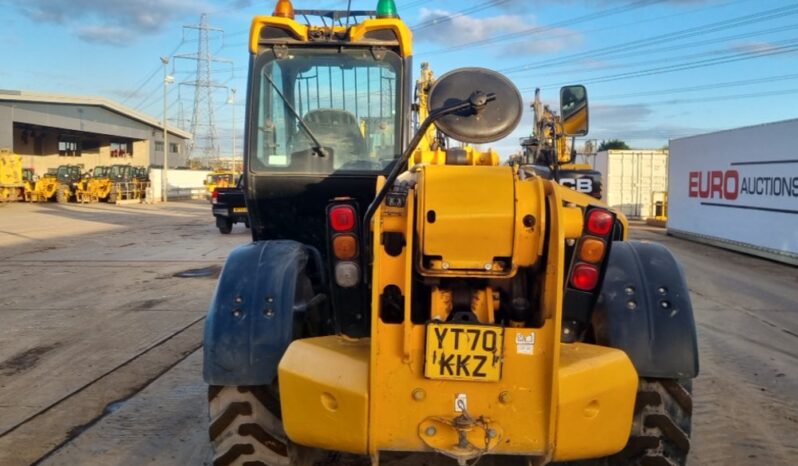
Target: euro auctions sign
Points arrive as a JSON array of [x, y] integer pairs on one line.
[[738, 186], [729, 184]]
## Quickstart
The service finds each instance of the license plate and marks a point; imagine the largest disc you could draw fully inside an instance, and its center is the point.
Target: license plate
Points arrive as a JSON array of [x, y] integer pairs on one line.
[[239, 210], [464, 352]]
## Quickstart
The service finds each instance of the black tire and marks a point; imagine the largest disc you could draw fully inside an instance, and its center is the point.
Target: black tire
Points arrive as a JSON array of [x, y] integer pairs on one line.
[[62, 195], [661, 428], [246, 427], [225, 225]]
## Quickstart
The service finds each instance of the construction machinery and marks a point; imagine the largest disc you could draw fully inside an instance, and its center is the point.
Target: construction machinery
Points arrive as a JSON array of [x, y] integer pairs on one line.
[[12, 184], [127, 183], [425, 298], [59, 185], [219, 178], [548, 150], [94, 186]]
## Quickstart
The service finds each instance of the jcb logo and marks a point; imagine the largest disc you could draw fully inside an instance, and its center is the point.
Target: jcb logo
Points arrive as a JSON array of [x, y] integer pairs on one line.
[[582, 185]]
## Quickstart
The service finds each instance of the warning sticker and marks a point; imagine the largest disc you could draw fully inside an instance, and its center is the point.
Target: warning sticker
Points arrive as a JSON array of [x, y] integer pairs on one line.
[[525, 344]]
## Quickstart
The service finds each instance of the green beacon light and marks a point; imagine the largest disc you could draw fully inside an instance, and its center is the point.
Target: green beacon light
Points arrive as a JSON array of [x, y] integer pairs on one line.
[[387, 9]]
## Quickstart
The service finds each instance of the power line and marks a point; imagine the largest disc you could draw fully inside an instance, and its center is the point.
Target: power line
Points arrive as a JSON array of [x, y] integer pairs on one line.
[[549, 27], [474, 9], [785, 47], [662, 38], [703, 87], [149, 78], [724, 98], [716, 52]]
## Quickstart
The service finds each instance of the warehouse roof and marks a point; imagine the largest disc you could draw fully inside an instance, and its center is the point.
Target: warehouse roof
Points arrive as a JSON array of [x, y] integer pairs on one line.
[[63, 99]]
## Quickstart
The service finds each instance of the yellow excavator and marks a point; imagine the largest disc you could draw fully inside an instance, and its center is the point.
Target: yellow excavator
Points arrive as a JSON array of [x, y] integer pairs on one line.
[[419, 301], [550, 153]]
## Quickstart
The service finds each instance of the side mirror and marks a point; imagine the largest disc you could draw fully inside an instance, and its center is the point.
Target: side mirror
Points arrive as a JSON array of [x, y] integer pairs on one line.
[[479, 123], [574, 110]]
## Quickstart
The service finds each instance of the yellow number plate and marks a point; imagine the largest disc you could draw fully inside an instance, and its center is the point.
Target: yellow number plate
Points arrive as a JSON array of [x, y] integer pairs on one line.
[[240, 210], [464, 352]]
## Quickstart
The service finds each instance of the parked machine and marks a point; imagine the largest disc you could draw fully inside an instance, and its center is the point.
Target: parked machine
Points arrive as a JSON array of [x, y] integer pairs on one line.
[[95, 186], [126, 183], [219, 178], [12, 184], [419, 297], [59, 185]]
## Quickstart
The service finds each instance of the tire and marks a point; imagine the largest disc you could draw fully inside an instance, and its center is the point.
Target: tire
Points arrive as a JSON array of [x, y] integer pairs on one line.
[[661, 427], [61, 195], [245, 430], [225, 225]]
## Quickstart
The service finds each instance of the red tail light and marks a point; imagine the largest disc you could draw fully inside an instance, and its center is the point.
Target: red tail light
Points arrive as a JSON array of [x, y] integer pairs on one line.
[[214, 196], [599, 222], [342, 218], [585, 277]]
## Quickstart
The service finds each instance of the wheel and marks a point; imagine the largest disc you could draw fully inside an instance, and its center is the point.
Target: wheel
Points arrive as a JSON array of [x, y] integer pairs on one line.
[[225, 225], [62, 194], [661, 427]]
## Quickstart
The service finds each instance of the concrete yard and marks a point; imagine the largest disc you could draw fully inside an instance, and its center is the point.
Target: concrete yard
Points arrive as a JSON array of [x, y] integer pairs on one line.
[[99, 340]]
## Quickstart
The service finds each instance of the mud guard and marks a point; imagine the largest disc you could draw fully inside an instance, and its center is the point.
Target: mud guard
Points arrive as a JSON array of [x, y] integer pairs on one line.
[[644, 309], [250, 319]]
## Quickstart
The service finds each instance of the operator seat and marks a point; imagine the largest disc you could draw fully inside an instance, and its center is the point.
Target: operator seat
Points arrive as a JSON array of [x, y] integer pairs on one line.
[[339, 130]]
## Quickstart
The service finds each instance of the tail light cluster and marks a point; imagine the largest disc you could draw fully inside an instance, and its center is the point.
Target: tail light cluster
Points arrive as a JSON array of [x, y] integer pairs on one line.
[[344, 244], [214, 197], [587, 265], [592, 249]]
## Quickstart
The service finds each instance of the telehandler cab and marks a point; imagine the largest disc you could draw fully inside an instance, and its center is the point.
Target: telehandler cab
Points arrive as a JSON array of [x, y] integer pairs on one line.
[[403, 298]]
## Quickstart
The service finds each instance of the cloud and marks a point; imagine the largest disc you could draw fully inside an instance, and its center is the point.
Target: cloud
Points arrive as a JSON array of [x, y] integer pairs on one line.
[[110, 35], [449, 29], [629, 122], [107, 21], [760, 47]]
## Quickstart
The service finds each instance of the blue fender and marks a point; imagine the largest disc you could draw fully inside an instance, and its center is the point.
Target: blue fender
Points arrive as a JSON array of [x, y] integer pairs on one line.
[[250, 319], [644, 309]]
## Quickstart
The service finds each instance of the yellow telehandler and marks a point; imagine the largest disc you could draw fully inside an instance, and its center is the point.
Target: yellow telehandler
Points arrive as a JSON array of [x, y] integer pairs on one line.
[[417, 301]]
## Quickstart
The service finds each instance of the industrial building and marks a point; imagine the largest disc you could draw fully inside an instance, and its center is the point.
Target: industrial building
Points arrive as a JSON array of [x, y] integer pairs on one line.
[[49, 130]]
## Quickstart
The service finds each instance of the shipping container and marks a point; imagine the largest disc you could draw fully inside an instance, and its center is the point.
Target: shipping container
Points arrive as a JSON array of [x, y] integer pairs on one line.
[[738, 189], [633, 180]]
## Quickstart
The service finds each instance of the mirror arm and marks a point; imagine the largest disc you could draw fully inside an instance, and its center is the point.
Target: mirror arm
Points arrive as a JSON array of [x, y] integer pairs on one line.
[[475, 102]]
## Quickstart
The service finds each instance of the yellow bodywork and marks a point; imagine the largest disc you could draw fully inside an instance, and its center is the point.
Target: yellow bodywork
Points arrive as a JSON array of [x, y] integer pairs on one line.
[[12, 185], [480, 220], [553, 400], [356, 33], [43, 190]]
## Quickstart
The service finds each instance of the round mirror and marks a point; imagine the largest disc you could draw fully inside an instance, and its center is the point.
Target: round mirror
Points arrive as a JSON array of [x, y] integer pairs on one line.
[[490, 123]]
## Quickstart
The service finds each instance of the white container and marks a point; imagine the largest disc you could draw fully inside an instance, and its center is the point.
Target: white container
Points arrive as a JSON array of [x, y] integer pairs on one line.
[[633, 180], [738, 189]]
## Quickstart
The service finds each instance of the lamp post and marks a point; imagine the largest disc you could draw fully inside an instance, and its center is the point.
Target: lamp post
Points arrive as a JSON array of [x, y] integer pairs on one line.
[[232, 101], [164, 174]]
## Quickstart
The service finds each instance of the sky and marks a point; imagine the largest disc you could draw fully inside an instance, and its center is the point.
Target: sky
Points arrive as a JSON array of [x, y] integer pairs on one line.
[[654, 69]]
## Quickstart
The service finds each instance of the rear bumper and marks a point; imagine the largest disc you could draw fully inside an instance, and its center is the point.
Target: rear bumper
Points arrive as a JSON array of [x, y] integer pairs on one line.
[[326, 404]]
